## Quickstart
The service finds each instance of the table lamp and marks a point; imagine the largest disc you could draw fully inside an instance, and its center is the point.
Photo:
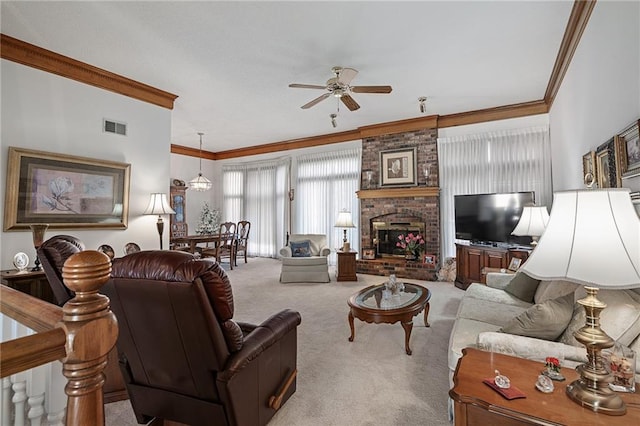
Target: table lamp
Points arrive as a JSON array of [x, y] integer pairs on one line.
[[159, 205], [344, 221], [37, 232], [592, 239], [533, 222]]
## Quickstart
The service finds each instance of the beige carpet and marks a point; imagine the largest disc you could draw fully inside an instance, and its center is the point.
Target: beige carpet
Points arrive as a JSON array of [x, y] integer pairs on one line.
[[370, 381]]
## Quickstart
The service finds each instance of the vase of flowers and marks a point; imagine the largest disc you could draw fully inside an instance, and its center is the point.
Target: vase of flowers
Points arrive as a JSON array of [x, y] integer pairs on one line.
[[552, 370], [412, 245]]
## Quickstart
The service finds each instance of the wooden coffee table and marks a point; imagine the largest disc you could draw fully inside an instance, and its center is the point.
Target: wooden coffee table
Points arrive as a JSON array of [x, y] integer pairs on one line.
[[476, 403], [368, 305]]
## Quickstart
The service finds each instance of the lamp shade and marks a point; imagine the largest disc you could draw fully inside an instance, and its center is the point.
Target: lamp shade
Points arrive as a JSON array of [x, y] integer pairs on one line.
[[532, 222], [158, 204], [592, 238], [344, 220]]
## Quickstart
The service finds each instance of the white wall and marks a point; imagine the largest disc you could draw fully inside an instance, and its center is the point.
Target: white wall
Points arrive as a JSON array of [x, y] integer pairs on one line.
[[186, 168], [50, 113], [600, 93]]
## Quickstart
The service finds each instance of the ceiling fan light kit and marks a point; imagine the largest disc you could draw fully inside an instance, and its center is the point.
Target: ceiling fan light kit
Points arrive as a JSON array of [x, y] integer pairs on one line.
[[339, 86], [334, 123]]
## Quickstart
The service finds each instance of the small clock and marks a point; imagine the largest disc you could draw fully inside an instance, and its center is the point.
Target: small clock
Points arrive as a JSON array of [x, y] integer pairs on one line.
[[21, 261]]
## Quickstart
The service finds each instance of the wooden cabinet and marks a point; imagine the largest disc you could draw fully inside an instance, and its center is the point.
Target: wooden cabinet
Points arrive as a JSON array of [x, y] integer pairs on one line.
[[178, 222], [32, 283], [346, 267], [471, 260]]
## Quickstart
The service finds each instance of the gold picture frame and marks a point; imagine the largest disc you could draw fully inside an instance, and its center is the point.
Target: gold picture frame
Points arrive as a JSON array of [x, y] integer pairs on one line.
[[398, 167], [589, 167], [64, 191], [628, 149], [607, 165], [368, 253]]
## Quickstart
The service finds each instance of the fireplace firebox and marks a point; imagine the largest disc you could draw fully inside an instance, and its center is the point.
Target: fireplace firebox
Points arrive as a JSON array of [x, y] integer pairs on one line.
[[385, 236]]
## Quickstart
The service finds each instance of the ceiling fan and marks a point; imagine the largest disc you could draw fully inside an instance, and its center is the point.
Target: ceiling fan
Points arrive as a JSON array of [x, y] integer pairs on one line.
[[339, 87]]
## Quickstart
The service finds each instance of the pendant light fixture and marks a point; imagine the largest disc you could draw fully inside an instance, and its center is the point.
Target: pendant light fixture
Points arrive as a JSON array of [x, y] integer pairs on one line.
[[200, 183]]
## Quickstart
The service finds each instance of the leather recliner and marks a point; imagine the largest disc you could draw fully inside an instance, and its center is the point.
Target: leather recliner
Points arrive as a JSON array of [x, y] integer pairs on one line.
[[183, 356], [52, 254]]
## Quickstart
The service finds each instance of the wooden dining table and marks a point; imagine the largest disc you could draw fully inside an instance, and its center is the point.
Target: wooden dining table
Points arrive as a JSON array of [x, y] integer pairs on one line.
[[194, 240]]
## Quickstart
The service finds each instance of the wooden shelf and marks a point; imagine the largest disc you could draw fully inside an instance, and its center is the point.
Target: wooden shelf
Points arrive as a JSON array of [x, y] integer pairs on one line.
[[418, 191]]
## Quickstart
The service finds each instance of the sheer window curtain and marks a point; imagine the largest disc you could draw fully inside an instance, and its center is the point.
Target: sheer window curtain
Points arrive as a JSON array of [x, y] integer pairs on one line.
[[256, 192], [327, 183], [501, 161]]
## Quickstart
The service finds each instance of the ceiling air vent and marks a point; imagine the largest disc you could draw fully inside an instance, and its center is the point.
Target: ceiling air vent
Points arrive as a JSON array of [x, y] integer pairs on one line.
[[111, 126]]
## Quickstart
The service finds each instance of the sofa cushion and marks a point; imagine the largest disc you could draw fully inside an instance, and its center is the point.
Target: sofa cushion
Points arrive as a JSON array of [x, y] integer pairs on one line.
[[301, 249], [545, 320], [548, 290], [487, 311], [482, 292], [465, 334], [305, 262], [523, 287], [620, 319]]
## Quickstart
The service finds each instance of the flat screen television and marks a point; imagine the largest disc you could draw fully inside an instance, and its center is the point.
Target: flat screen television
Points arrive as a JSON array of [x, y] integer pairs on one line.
[[490, 218]]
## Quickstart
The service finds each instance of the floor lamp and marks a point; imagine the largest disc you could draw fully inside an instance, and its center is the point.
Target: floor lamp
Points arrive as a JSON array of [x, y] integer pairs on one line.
[[592, 239], [159, 205]]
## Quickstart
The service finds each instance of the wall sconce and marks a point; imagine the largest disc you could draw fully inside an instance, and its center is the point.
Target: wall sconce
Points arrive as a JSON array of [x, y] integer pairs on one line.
[[423, 107], [368, 175], [291, 194]]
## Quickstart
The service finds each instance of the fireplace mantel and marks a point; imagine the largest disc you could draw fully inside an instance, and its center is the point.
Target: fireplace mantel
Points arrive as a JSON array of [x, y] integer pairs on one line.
[[418, 191]]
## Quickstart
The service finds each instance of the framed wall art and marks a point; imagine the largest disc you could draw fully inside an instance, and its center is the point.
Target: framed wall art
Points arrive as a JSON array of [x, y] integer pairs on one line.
[[398, 167], [607, 165], [64, 191], [589, 172], [628, 148]]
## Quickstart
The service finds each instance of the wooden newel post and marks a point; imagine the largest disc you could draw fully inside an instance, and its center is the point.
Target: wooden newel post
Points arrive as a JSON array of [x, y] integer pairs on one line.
[[92, 330]]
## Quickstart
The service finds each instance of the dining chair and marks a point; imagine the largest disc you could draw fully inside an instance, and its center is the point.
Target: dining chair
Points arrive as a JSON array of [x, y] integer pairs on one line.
[[225, 245], [242, 240]]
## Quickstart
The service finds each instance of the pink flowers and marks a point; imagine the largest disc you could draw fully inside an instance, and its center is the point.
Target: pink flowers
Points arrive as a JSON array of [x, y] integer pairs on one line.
[[411, 243]]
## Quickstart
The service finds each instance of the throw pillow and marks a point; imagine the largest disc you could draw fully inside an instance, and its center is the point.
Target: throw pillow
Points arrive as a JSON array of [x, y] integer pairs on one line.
[[301, 249], [543, 321], [523, 287]]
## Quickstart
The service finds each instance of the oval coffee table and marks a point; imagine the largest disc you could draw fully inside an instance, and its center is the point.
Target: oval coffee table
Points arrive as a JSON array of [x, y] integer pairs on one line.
[[368, 305]]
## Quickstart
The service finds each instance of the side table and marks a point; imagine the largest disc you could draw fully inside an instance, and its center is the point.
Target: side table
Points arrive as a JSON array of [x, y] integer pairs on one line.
[[32, 283], [346, 267], [477, 404]]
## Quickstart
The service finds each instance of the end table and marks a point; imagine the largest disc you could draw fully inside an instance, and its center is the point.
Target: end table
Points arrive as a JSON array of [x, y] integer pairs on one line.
[[346, 267]]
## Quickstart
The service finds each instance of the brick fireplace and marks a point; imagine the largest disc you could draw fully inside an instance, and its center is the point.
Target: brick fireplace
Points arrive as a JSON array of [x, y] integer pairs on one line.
[[403, 206]]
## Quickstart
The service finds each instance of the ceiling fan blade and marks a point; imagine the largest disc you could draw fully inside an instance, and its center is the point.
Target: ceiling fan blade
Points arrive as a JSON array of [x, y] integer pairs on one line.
[[306, 86], [316, 100], [349, 102], [346, 75], [371, 89]]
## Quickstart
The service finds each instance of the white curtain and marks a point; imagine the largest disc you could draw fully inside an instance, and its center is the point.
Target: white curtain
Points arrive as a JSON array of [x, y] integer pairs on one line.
[[256, 192], [327, 183], [502, 161]]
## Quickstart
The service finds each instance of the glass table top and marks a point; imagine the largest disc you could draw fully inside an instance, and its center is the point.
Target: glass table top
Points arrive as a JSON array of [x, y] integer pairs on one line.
[[377, 298]]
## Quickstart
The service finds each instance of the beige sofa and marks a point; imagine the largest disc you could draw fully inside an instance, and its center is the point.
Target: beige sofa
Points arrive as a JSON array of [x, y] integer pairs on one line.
[[313, 266], [486, 312]]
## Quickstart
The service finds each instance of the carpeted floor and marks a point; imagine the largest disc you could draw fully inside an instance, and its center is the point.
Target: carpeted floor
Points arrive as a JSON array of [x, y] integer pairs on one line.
[[370, 381]]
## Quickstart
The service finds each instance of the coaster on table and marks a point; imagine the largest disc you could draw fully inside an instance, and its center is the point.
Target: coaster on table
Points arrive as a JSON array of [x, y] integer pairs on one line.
[[510, 393]]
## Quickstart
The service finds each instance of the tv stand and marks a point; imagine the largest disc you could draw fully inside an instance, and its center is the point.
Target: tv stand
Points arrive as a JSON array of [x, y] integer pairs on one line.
[[471, 259]]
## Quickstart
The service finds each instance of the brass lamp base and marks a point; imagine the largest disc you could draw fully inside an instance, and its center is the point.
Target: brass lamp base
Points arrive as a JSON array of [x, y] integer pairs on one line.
[[592, 388]]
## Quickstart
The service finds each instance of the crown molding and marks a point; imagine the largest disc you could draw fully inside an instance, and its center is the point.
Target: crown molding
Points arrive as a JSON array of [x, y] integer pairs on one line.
[[193, 152], [578, 20], [492, 114], [33, 56]]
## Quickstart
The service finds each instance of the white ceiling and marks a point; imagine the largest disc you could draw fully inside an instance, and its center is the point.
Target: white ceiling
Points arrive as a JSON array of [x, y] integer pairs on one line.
[[230, 63]]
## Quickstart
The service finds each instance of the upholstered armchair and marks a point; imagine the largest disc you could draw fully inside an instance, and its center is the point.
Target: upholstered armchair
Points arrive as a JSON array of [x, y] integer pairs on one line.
[[304, 259], [184, 358]]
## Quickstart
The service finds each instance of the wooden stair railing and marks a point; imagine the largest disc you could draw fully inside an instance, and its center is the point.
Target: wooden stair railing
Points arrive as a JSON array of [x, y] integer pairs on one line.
[[80, 335]]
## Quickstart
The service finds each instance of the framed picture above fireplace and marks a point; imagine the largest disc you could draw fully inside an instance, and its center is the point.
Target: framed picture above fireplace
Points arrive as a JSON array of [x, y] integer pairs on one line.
[[398, 167]]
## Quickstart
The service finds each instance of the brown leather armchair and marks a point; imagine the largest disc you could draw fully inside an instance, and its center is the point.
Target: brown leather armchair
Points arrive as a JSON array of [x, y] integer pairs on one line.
[[52, 254], [183, 356]]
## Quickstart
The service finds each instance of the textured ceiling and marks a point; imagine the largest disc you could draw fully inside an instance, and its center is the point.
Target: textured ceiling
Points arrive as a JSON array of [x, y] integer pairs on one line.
[[230, 63]]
